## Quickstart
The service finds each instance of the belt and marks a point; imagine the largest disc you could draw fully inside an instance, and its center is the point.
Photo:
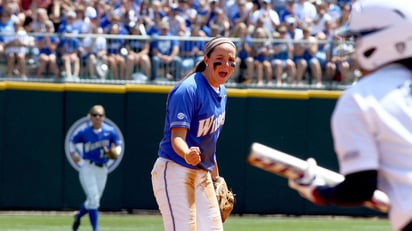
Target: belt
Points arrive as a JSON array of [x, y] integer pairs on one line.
[[97, 164]]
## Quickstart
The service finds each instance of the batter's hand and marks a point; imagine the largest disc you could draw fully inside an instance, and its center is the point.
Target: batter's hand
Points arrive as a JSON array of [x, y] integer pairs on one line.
[[192, 157], [305, 191], [307, 184]]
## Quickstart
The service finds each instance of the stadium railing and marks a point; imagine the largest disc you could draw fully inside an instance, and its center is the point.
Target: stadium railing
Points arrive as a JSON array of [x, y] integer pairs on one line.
[[186, 62]]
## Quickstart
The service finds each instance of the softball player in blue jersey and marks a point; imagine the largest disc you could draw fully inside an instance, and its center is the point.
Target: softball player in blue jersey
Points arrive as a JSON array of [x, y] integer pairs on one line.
[[183, 173], [98, 140]]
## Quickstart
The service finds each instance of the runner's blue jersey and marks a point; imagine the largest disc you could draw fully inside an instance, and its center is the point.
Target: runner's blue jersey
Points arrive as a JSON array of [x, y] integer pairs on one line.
[[93, 142], [195, 105]]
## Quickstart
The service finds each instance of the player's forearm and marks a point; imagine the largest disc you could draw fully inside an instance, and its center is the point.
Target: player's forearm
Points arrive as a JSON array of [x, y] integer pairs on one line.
[[180, 146], [354, 190]]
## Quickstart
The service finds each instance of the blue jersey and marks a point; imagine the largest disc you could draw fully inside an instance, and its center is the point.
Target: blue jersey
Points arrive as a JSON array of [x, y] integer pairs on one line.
[[114, 46], [189, 45], [195, 105], [165, 47], [69, 45], [44, 48], [284, 51], [93, 142]]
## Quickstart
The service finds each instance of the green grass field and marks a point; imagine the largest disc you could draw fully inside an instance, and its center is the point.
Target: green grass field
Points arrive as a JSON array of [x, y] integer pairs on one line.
[[124, 222]]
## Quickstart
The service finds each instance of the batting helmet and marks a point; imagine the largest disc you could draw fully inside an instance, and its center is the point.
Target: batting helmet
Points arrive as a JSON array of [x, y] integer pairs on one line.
[[381, 29]]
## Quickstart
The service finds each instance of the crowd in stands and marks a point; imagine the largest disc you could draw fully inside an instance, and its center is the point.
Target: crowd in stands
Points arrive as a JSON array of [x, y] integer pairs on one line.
[[279, 41]]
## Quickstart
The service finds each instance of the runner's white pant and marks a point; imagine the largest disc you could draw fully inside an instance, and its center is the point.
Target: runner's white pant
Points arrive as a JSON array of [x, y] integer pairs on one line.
[[93, 180], [186, 197]]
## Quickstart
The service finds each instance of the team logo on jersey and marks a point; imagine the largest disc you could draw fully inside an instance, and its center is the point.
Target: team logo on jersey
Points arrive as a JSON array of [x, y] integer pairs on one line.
[[180, 115], [81, 124]]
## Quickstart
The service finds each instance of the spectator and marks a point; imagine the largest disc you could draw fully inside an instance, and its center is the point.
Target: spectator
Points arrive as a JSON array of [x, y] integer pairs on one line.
[[269, 16], [56, 12], [333, 9], [292, 31], [191, 50], [241, 13], [166, 52], [115, 5], [322, 16], [260, 53], [154, 27], [138, 53], [221, 22], [90, 20], [116, 54], [16, 44], [131, 10], [324, 39], [305, 59], [145, 14], [188, 13], [6, 26], [209, 10], [339, 59], [103, 10], [281, 60], [69, 48], [81, 21], [94, 53], [114, 17], [344, 18], [47, 45], [243, 72], [328, 32], [156, 11], [39, 18], [231, 8], [14, 6], [68, 23], [307, 10], [290, 12], [177, 24]]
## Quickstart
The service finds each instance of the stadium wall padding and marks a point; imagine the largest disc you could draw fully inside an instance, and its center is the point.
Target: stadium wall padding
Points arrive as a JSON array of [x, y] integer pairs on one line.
[[36, 175]]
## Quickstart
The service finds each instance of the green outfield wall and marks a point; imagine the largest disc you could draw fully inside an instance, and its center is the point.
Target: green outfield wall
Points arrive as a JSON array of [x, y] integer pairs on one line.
[[36, 175]]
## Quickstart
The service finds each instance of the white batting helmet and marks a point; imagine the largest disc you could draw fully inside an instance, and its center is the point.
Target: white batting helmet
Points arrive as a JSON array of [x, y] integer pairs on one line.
[[383, 31]]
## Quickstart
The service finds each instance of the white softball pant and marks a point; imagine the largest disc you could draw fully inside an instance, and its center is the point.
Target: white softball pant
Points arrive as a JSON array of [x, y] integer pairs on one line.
[[93, 180], [186, 197]]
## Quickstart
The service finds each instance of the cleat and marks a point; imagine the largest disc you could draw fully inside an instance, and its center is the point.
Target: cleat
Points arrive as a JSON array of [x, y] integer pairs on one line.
[[76, 223]]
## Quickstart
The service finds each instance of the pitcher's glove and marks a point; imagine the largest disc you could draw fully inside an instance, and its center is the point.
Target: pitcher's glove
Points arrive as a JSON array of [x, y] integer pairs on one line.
[[225, 197]]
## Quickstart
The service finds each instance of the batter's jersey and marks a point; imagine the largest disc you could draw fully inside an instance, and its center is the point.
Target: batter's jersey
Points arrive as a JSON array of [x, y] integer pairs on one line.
[[195, 105], [94, 140], [372, 130]]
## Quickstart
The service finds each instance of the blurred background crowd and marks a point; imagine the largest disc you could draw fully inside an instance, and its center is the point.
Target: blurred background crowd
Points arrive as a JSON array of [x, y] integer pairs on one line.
[[280, 42]]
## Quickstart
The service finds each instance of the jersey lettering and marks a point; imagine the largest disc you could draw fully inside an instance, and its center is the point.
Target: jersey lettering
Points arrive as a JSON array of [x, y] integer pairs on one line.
[[210, 125], [92, 146]]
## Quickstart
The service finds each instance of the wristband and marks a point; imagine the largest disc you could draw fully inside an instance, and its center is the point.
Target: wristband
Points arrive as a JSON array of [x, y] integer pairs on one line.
[[185, 157]]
